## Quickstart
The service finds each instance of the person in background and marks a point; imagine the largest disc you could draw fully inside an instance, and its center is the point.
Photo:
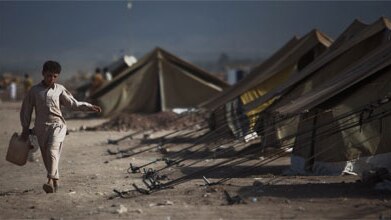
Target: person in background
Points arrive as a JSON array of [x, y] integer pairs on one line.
[[46, 98], [107, 73], [97, 81], [27, 83], [12, 89]]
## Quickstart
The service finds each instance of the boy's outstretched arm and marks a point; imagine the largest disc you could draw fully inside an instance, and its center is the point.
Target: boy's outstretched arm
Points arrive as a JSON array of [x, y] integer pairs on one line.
[[67, 99]]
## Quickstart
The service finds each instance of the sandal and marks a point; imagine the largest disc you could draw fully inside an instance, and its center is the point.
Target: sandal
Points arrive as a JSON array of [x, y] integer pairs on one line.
[[48, 188]]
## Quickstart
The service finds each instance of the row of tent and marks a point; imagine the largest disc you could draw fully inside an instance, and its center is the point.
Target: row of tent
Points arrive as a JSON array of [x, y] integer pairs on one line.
[[328, 100], [303, 96]]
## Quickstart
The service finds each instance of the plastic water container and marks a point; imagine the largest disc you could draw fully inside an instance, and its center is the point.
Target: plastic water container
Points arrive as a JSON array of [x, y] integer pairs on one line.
[[18, 150]]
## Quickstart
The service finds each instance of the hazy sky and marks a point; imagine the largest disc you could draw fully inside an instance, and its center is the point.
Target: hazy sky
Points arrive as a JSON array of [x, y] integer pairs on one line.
[[84, 34]]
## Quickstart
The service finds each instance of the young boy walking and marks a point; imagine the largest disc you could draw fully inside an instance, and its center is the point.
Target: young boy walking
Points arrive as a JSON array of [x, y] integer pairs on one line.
[[46, 98]]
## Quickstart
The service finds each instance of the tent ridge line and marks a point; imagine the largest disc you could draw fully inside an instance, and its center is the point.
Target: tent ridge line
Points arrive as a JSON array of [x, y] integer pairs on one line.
[[317, 64]]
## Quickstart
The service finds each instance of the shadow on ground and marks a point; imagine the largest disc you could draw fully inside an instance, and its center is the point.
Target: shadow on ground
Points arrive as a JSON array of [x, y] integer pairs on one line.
[[235, 171]]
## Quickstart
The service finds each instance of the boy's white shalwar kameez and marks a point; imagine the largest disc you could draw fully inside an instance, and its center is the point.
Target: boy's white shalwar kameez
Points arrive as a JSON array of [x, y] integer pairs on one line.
[[49, 126]]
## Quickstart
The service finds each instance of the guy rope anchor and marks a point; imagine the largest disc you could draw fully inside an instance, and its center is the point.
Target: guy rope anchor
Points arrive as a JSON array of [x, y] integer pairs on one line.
[[136, 169]]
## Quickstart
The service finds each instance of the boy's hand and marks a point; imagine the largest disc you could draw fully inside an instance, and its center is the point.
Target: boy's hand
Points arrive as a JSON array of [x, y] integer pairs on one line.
[[24, 136], [96, 108]]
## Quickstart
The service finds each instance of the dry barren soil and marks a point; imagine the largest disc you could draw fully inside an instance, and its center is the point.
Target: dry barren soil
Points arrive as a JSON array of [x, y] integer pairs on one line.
[[89, 174]]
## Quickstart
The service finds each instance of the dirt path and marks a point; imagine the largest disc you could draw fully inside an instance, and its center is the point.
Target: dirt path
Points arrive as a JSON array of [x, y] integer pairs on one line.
[[89, 176]]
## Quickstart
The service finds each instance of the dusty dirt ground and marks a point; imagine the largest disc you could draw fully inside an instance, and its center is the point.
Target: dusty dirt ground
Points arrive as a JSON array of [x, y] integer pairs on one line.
[[89, 174]]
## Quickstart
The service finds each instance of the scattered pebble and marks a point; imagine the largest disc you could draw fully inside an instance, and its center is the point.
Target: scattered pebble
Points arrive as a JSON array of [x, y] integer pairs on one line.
[[167, 202], [257, 183], [122, 209], [300, 208], [138, 211]]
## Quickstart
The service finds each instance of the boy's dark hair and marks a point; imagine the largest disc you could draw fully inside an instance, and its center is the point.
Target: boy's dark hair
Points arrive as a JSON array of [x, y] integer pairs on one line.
[[51, 67]]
